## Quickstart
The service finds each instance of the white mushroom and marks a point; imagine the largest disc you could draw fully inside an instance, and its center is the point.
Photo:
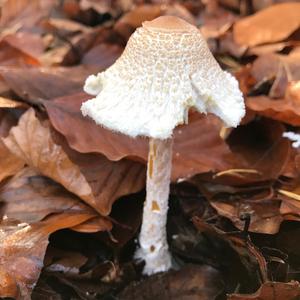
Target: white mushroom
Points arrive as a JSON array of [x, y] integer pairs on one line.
[[165, 69]]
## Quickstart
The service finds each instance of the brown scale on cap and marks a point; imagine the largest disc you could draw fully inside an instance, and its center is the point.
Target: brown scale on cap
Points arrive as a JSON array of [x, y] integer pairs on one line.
[[169, 23]]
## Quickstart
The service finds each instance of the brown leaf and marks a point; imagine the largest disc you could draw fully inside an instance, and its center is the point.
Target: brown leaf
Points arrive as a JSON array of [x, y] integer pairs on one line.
[[282, 69], [38, 84], [272, 24], [229, 45], [249, 265], [94, 225], [22, 250], [198, 147], [9, 103], [216, 23], [286, 110], [64, 27], [192, 282], [272, 291], [267, 66], [89, 137], [92, 177], [84, 42], [30, 197], [100, 7], [24, 13], [259, 204], [28, 43], [10, 56], [269, 48], [102, 56], [259, 146], [134, 18], [10, 164]]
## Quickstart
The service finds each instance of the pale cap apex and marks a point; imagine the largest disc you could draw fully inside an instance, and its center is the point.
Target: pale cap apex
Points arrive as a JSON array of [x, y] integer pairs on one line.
[[169, 23]]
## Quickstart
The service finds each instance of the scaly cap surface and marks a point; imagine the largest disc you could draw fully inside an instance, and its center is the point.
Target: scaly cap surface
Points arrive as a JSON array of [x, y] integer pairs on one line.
[[165, 69]]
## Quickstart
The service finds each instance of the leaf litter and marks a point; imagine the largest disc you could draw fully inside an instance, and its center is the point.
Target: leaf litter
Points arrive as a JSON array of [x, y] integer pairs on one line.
[[71, 192]]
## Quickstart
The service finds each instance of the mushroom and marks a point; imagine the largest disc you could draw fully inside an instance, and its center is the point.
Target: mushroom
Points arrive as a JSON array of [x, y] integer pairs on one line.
[[165, 69]]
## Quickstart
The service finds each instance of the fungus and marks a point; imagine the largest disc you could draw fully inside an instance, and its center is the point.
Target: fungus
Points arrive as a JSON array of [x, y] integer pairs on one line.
[[165, 69]]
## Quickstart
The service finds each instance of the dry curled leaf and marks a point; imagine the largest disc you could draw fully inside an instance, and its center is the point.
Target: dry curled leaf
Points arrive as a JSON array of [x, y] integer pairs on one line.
[[22, 250], [93, 178], [272, 24]]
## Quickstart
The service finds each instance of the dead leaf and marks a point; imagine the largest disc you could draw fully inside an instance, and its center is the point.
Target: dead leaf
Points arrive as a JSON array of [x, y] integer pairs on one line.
[[100, 7], [227, 44], [270, 48], [9, 103], [30, 197], [134, 18], [217, 22], [286, 110], [64, 27], [93, 178], [89, 137], [268, 65], [38, 84], [261, 147], [23, 13], [189, 283], [28, 43], [279, 69], [22, 250], [259, 204], [94, 225], [272, 291], [10, 164], [192, 151], [249, 268], [272, 24], [102, 56], [10, 56]]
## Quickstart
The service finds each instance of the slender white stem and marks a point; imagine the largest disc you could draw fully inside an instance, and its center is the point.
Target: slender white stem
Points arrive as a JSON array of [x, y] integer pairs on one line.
[[153, 236]]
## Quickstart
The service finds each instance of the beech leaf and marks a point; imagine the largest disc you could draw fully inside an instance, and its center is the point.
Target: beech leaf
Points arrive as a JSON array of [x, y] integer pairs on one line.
[[272, 24], [22, 250], [32, 141]]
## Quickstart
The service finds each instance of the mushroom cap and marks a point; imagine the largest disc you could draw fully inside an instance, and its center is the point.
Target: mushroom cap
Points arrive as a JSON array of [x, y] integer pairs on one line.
[[165, 69]]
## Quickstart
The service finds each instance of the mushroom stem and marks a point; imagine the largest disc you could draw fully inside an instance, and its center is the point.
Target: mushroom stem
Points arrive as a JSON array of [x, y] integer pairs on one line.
[[153, 236]]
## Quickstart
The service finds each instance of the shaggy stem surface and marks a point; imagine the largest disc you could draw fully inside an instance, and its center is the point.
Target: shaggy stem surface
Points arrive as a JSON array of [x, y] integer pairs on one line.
[[153, 236]]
